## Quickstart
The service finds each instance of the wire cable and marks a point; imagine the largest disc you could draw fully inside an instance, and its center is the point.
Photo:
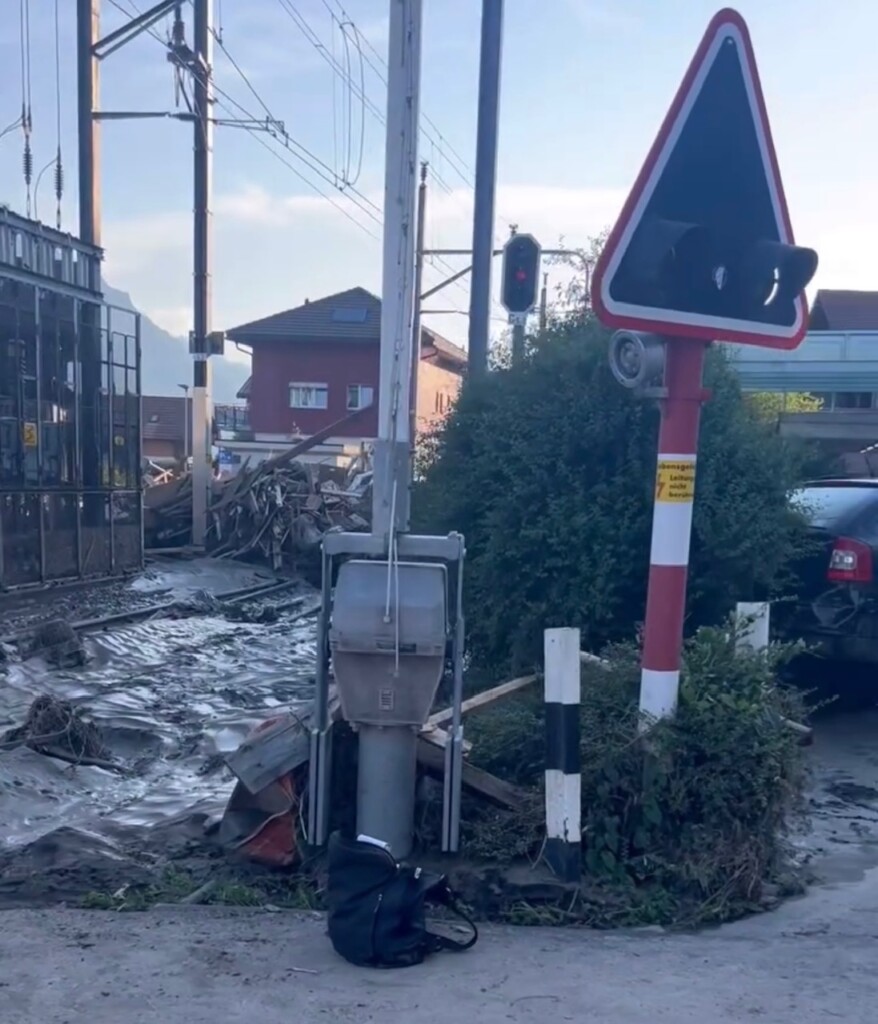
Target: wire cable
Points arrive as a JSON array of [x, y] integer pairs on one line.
[[223, 100], [257, 136], [301, 152]]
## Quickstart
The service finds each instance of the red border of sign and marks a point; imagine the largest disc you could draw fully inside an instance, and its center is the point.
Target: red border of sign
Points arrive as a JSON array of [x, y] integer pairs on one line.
[[722, 18]]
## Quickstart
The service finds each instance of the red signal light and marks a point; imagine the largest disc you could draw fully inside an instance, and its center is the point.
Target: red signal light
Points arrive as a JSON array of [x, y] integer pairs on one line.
[[520, 275]]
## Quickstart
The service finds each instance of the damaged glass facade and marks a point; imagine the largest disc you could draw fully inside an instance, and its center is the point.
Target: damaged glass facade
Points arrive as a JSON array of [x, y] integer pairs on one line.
[[70, 479]]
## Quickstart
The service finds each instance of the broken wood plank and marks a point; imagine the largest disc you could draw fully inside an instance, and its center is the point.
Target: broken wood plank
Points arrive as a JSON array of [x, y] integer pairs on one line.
[[277, 750], [504, 794], [439, 738], [482, 700], [592, 659]]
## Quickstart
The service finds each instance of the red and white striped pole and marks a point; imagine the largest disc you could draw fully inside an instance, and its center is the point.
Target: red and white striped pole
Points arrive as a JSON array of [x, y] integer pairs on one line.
[[671, 527]]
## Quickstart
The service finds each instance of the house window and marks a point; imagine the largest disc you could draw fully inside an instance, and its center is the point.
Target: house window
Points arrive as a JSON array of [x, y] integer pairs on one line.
[[309, 396], [360, 396]]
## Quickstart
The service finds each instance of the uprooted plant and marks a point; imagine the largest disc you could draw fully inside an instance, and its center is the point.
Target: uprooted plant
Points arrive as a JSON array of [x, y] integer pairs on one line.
[[686, 825]]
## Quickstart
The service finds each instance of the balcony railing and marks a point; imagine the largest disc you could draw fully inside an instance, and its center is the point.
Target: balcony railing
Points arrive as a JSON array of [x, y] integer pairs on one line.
[[232, 418]]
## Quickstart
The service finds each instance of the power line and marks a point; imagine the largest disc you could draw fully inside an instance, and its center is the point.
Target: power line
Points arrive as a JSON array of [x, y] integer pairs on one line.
[[257, 135], [328, 56], [274, 127]]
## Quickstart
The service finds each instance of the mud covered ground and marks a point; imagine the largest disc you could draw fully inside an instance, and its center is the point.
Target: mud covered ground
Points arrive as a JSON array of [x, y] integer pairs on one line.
[[173, 695], [170, 696]]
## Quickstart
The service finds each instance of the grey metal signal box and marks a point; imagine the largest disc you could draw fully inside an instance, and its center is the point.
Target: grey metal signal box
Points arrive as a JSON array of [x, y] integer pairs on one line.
[[388, 640]]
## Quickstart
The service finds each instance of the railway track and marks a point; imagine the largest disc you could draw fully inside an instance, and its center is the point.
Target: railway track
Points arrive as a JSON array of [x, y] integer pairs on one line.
[[165, 608]]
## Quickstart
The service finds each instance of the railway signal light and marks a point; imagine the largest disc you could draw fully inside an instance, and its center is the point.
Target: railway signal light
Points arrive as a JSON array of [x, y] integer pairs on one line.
[[521, 274]]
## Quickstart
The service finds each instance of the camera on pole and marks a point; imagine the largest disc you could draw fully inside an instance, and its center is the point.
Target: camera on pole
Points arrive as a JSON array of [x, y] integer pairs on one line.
[[521, 274]]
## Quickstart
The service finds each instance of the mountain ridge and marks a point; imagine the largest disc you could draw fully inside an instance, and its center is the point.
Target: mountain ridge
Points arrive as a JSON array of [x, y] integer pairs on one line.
[[165, 359]]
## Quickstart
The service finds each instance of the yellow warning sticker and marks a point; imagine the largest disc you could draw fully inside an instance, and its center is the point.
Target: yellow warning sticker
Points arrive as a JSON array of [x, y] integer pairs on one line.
[[29, 435], [675, 481]]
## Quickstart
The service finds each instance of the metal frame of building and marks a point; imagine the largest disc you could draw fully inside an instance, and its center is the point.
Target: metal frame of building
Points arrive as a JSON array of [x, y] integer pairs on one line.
[[826, 361], [70, 417]]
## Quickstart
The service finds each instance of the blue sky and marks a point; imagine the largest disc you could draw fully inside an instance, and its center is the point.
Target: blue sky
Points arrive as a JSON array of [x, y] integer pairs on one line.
[[585, 85]]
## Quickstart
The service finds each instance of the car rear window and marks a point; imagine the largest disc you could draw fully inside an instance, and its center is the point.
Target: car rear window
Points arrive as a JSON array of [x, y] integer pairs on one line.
[[825, 506]]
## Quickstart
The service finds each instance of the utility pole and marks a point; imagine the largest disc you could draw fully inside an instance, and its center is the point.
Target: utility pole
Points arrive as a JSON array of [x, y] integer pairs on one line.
[[88, 128], [416, 314], [486, 184], [88, 81], [388, 755], [392, 486], [202, 167]]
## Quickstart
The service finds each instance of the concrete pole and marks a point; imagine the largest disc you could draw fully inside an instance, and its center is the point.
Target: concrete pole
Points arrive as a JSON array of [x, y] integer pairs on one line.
[[392, 481], [388, 756], [563, 759], [754, 621], [202, 93], [486, 183], [416, 314]]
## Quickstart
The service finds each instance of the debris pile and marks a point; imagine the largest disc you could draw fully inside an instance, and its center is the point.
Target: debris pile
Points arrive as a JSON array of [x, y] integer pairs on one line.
[[281, 507], [56, 728], [59, 643]]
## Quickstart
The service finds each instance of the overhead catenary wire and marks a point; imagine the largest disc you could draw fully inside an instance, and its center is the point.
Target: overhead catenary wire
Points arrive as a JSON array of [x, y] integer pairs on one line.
[[276, 129], [223, 100], [429, 130], [280, 138]]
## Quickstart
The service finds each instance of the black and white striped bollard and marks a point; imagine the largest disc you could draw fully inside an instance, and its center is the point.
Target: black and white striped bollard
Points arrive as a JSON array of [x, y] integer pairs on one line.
[[563, 767]]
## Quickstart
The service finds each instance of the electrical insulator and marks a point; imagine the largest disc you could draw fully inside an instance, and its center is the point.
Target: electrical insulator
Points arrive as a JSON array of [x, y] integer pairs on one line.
[[59, 177], [28, 162]]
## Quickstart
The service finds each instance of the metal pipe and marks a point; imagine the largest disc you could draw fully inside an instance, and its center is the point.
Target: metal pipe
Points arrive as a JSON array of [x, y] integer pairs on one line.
[[386, 773]]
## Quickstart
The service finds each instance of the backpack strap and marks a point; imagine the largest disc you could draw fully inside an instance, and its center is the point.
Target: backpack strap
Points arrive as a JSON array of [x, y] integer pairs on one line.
[[442, 894]]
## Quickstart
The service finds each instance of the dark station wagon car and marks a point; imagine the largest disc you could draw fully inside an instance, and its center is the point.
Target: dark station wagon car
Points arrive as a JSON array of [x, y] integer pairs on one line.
[[836, 608]]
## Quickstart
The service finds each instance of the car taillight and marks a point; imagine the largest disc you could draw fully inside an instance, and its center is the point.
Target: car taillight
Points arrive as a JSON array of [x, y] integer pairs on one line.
[[850, 562]]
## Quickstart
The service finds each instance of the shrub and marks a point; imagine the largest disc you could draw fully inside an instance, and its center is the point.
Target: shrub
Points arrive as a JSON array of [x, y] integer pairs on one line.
[[688, 827], [548, 470]]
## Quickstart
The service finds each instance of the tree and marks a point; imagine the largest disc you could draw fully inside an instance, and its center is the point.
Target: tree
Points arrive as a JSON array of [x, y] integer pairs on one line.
[[548, 470], [769, 405]]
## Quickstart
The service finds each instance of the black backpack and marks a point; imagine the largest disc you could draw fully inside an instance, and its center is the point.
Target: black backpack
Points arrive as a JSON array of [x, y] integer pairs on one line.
[[377, 907]]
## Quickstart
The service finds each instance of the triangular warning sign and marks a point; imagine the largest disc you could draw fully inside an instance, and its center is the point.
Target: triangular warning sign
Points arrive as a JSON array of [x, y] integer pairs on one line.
[[703, 247]]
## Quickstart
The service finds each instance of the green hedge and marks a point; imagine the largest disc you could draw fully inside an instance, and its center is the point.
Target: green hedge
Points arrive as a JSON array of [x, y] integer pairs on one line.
[[548, 470]]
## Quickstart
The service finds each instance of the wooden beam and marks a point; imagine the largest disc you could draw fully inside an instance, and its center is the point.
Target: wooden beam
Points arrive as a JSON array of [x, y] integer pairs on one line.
[[504, 794], [481, 700]]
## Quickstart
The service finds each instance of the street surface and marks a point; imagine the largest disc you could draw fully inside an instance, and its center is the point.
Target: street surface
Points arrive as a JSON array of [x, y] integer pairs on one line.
[[811, 961]]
